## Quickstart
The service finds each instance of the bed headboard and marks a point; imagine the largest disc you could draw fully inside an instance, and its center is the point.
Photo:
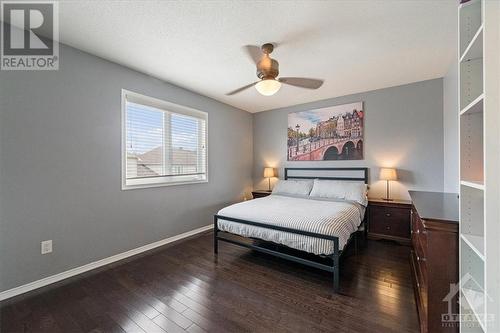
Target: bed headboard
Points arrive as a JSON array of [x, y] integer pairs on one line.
[[351, 174]]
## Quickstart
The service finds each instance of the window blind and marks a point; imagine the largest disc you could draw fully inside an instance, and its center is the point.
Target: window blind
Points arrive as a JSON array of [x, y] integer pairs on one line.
[[164, 144]]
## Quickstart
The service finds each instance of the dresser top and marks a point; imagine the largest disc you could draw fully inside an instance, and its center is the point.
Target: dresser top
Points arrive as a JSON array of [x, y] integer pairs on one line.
[[437, 206]]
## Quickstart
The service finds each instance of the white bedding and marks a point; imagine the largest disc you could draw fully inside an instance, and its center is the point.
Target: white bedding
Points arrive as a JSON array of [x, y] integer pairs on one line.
[[334, 218]]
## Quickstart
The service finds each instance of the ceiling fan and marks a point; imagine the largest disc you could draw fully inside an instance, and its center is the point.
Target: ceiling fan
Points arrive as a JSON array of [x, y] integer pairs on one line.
[[268, 71]]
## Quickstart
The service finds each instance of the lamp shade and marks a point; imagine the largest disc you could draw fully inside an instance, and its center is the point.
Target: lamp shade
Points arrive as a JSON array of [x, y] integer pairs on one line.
[[388, 174], [268, 172]]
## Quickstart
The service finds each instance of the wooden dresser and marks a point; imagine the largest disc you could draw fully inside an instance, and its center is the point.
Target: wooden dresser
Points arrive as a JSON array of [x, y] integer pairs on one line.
[[434, 256]]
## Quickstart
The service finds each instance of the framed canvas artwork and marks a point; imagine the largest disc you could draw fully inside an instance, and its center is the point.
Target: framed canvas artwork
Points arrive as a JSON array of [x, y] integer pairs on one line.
[[331, 133]]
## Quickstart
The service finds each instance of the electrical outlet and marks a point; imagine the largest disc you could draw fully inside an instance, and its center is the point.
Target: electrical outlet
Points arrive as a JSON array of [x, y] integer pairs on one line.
[[46, 246]]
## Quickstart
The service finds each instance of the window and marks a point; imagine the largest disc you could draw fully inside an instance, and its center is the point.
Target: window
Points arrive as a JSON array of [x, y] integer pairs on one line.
[[163, 143]]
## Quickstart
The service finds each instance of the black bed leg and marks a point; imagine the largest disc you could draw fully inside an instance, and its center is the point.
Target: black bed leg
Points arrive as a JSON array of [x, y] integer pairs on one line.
[[336, 275], [216, 230], [336, 267]]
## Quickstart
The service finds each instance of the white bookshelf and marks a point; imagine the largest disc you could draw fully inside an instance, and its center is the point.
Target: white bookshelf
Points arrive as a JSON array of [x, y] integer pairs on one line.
[[471, 312], [471, 85], [472, 148], [479, 124], [476, 106], [475, 243], [470, 327], [477, 184], [470, 20], [475, 49], [472, 286]]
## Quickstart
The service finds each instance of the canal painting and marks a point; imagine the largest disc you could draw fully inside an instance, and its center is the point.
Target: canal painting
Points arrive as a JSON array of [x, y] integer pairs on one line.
[[332, 133]]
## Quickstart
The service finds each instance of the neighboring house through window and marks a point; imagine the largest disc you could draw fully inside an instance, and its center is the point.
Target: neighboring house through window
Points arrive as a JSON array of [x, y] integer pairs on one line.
[[163, 143]]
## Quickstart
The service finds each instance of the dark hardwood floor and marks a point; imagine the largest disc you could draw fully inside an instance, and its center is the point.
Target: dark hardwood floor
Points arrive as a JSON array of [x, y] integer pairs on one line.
[[183, 288]]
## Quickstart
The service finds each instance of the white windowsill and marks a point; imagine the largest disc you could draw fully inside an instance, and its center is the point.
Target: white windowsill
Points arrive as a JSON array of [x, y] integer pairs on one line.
[[141, 184]]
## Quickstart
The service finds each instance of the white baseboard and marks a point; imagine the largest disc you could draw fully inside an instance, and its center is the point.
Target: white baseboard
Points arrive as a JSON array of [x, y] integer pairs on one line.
[[96, 264]]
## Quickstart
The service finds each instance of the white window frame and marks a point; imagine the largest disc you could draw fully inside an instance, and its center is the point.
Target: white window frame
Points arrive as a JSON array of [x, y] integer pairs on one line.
[[166, 106]]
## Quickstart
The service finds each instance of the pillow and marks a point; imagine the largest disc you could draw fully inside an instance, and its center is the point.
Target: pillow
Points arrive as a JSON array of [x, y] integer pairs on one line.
[[293, 187], [339, 189]]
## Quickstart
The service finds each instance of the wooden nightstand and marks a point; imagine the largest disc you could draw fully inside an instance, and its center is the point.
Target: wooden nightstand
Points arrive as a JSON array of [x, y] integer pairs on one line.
[[260, 194], [389, 220]]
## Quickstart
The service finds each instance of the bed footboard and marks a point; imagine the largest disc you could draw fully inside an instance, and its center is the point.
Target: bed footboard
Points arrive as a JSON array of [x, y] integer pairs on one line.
[[335, 269]]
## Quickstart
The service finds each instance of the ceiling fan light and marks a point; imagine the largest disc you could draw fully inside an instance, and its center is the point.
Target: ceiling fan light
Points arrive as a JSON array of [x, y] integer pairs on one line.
[[268, 87]]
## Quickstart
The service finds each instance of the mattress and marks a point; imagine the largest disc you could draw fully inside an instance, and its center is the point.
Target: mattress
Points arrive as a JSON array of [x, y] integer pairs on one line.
[[333, 218]]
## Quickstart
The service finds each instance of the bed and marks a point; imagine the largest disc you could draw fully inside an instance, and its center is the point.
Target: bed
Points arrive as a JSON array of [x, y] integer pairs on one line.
[[309, 224]]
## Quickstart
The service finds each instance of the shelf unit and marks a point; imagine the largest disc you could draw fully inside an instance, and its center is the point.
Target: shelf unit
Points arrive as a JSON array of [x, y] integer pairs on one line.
[[475, 243], [469, 297], [479, 121], [467, 312], [475, 106], [477, 184], [475, 48]]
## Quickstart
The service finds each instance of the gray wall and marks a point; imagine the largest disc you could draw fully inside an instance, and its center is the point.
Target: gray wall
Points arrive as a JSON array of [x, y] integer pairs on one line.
[[60, 165], [403, 129], [450, 130]]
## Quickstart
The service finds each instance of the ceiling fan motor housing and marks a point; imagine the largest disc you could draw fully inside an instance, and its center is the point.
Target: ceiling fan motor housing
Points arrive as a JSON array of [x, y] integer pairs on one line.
[[267, 68]]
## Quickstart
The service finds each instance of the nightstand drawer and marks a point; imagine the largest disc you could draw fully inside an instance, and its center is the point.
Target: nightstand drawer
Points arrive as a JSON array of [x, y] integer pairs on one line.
[[390, 221]]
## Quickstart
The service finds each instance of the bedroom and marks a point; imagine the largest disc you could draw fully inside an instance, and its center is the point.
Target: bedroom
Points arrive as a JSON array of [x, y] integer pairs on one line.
[[350, 182]]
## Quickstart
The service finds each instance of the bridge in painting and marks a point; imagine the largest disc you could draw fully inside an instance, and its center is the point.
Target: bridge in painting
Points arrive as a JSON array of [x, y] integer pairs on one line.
[[325, 149]]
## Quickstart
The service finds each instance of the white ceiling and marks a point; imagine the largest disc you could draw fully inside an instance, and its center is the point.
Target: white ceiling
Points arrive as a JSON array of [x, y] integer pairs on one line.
[[354, 46]]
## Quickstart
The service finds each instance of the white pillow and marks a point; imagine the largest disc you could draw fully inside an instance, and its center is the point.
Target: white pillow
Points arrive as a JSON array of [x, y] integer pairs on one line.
[[340, 189], [293, 187]]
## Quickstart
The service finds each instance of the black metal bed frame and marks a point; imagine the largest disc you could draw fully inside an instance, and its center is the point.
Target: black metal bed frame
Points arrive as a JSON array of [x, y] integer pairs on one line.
[[335, 256]]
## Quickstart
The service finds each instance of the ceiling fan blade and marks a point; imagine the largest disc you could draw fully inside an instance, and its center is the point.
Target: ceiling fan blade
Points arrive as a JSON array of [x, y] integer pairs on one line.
[[254, 52], [241, 89], [302, 82]]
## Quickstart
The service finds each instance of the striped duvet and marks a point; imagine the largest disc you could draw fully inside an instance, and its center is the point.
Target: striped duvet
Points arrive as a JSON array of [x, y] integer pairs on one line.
[[334, 218]]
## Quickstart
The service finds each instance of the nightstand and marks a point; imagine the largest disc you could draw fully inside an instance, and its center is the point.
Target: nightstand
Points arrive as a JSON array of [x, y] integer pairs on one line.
[[260, 194], [389, 220]]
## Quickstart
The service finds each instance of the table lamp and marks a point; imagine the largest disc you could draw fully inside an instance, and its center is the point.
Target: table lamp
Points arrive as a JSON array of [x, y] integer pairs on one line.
[[388, 174], [269, 173]]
